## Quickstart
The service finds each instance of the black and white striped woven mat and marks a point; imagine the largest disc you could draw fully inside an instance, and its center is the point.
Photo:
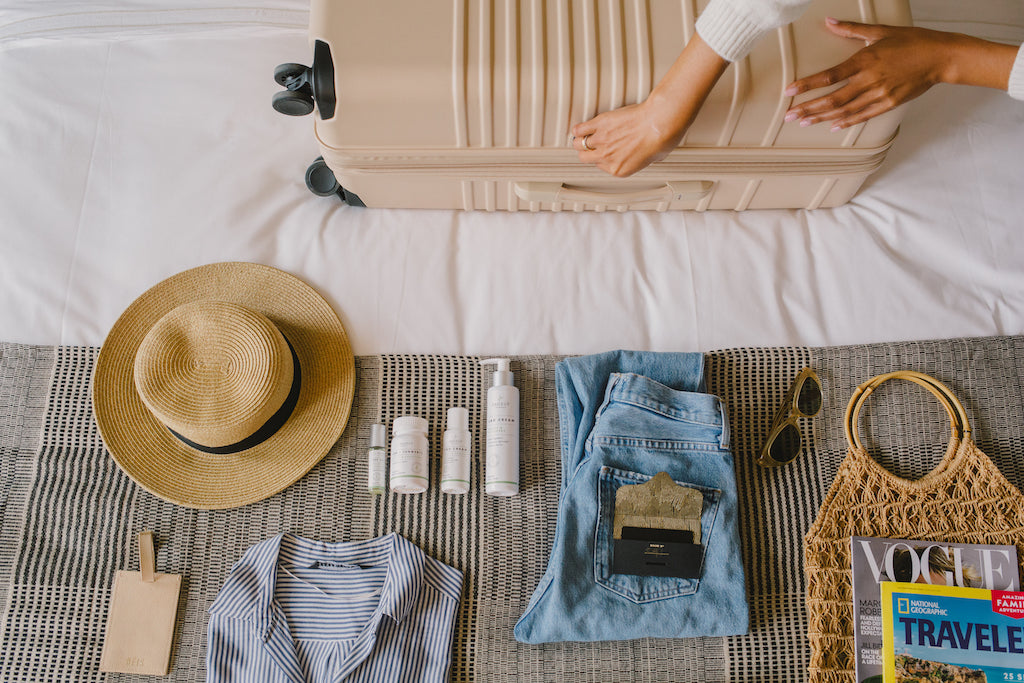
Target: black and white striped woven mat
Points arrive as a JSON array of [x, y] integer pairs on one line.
[[68, 516]]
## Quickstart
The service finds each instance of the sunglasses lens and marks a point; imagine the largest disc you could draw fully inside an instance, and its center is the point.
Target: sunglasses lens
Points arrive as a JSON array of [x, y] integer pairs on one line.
[[808, 401], [786, 445]]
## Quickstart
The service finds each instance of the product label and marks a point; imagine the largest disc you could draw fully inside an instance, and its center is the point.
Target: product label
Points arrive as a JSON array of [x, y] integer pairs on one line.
[[502, 432], [502, 441], [409, 458], [376, 470], [455, 465]]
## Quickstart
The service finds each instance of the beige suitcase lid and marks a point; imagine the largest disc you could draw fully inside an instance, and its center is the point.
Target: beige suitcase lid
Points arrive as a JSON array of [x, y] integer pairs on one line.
[[442, 77]]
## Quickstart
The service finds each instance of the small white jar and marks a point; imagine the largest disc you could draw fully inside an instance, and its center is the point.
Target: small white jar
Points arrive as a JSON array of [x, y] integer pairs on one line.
[[409, 451]]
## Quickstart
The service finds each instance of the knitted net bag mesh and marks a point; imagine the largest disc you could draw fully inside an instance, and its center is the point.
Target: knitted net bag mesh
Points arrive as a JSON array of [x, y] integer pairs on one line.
[[964, 500]]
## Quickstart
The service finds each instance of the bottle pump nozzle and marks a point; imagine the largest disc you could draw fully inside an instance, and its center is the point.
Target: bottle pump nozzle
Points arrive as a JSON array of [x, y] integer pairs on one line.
[[503, 375]]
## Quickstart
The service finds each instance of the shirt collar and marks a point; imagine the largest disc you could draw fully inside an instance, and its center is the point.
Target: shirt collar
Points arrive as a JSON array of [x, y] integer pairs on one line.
[[404, 579], [249, 592]]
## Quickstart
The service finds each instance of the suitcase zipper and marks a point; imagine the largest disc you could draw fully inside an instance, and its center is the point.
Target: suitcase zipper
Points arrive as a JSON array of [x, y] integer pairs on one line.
[[469, 163]]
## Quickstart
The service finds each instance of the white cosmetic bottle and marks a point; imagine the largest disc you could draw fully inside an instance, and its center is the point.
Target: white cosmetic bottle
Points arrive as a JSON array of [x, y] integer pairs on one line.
[[455, 452], [409, 455], [501, 472], [376, 469]]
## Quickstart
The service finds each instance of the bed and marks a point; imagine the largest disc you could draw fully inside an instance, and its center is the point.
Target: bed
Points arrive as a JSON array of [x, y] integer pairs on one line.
[[138, 140]]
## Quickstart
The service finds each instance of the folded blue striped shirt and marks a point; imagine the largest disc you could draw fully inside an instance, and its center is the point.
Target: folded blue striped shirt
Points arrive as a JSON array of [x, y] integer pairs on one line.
[[298, 610]]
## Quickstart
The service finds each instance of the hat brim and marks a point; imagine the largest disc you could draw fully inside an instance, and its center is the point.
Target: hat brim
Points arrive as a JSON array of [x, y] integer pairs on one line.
[[162, 464]]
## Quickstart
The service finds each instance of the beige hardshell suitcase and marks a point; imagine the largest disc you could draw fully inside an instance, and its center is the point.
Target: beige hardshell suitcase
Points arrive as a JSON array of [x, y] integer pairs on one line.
[[468, 104]]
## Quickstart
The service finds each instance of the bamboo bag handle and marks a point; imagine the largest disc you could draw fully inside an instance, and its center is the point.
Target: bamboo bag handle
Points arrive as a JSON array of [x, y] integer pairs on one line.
[[959, 425]]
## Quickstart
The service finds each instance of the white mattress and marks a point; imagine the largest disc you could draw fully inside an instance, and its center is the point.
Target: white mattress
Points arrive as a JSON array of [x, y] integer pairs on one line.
[[137, 140]]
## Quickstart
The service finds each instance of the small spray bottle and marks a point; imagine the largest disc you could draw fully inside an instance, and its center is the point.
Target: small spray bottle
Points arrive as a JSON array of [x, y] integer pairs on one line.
[[377, 464], [501, 472]]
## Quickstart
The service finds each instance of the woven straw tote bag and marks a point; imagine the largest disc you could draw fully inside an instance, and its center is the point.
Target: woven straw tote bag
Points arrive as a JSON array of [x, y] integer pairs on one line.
[[965, 499]]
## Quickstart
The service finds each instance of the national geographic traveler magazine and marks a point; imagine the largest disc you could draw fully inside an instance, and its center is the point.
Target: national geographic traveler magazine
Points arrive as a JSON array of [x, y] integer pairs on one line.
[[948, 633]]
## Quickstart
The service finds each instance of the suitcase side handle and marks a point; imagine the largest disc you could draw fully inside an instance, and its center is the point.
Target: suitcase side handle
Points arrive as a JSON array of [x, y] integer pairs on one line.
[[694, 190]]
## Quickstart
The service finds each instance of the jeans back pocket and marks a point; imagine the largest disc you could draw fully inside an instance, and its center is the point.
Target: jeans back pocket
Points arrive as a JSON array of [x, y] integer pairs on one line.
[[640, 589]]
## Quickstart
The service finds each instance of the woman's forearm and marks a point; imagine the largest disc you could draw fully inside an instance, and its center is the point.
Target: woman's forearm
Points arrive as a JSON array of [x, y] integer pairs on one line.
[[973, 61], [678, 96]]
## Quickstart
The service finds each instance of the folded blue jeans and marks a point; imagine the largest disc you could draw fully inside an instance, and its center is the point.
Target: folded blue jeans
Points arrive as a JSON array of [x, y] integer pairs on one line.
[[625, 416]]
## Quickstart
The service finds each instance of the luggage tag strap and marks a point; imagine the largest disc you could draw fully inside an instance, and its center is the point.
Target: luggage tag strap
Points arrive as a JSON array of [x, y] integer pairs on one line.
[[147, 558]]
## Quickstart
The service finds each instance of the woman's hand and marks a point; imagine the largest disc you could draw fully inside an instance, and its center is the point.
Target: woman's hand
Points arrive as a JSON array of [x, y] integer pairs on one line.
[[898, 64], [625, 140]]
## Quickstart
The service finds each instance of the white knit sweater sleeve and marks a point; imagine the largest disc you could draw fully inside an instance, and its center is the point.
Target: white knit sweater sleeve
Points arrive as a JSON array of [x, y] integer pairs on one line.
[[1016, 86], [731, 27]]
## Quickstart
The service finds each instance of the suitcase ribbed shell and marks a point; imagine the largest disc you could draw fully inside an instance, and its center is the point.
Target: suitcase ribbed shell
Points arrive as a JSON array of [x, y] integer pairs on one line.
[[469, 105]]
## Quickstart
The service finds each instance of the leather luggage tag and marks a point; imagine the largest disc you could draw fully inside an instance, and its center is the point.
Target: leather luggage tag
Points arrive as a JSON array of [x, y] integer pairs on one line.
[[656, 529], [143, 610]]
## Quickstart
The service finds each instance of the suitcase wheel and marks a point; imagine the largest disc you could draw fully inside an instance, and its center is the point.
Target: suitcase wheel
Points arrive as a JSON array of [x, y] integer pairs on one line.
[[321, 181], [306, 85], [297, 98], [286, 73], [293, 103]]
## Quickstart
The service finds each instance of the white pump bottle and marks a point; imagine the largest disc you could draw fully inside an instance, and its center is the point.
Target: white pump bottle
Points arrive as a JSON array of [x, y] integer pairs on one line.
[[501, 472]]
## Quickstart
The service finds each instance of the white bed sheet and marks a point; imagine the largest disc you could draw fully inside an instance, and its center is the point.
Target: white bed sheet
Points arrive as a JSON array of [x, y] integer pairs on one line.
[[137, 140]]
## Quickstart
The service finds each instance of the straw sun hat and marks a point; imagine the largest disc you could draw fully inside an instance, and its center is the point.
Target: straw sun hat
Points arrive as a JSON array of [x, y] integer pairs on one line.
[[222, 385]]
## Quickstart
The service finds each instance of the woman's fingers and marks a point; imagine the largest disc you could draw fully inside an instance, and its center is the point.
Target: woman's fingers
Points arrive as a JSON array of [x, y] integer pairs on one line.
[[868, 112], [852, 29], [580, 132], [897, 65], [587, 143], [836, 74], [615, 141], [871, 33], [852, 103], [819, 108], [586, 127]]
